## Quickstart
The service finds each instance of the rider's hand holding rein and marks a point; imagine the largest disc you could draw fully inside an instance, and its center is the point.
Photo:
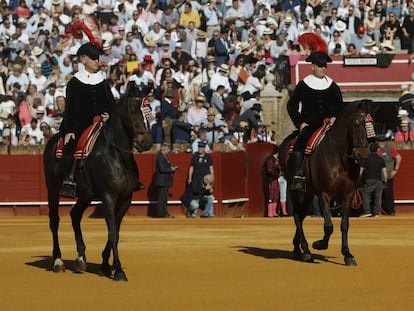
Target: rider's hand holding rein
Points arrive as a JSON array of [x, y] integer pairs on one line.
[[105, 116], [302, 126], [68, 137]]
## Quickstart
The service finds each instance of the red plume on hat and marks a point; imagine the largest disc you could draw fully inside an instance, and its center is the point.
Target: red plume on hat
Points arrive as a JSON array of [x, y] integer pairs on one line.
[[313, 42], [89, 26]]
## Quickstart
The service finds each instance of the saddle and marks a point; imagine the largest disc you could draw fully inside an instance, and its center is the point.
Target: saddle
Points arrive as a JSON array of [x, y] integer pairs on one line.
[[86, 142], [315, 139]]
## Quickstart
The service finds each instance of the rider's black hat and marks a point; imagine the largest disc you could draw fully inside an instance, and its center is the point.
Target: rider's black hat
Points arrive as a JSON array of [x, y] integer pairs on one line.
[[319, 58], [90, 50]]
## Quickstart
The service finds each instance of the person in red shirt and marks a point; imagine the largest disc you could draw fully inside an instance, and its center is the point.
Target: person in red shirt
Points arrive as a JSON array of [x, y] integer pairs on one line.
[[404, 133]]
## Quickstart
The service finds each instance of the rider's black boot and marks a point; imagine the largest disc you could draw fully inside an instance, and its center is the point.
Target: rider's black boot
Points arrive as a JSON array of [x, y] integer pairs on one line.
[[299, 181], [68, 189]]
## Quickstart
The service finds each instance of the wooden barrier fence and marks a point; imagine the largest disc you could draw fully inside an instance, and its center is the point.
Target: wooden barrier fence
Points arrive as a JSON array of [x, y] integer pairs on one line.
[[239, 186]]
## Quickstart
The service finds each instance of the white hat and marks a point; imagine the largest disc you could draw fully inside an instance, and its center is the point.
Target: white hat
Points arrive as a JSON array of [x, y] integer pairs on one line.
[[64, 19], [340, 25], [402, 112], [40, 109], [21, 20], [73, 50], [244, 45], [288, 19], [267, 31], [369, 42], [405, 87], [387, 44], [4, 114], [43, 16], [178, 45], [318, 20], [37, 51], [148, 38], [106, 46]]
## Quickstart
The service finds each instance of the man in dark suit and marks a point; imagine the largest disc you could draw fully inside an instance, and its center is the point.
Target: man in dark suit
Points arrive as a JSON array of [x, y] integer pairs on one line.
[[221, 46], [163, 180], [352, 21]]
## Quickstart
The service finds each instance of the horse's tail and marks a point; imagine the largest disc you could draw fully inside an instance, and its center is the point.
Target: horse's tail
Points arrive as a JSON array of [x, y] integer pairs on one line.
[[49, 158], [284, 152]]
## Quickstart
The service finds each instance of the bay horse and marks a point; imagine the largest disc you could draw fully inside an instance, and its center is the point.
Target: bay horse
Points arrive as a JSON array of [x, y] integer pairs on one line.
[[331, 172], [109, 174]]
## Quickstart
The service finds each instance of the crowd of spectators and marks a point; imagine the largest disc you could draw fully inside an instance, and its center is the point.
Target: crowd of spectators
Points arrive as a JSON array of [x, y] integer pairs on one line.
[[207, 59]]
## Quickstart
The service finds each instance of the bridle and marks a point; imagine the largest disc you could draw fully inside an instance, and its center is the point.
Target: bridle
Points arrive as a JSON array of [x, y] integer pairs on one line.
[[145, 116]]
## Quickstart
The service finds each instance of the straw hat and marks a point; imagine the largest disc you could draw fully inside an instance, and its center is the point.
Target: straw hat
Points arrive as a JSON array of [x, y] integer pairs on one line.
[[4, 115], [369, 42], [201, 34], [37, 51], [244, 45], [17, 67], [224, 68], [211, 111], [200, 98], [211, 59], [404, 123], [149, 38]]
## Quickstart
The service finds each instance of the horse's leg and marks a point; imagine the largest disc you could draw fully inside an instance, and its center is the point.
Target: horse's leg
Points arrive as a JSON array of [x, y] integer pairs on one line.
[[299, 239], [113, 238], [54, 219], [348, 258], [76, 215], [106, 269], [327, 226]]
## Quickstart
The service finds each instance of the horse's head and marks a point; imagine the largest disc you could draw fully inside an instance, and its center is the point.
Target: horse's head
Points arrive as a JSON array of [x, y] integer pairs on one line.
[[139, 124], [359, 132]]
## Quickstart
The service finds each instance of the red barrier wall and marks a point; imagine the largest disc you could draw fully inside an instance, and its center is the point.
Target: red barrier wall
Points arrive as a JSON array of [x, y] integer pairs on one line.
[[238, 179], [23, 189]]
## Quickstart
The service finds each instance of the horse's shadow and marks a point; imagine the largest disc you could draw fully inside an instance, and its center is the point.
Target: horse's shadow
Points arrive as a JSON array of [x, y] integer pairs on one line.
[[46, 263], [281, 254]]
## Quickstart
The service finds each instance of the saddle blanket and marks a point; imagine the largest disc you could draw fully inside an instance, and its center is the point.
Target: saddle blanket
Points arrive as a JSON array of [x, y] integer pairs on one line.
[[315, 139], [86, 141]]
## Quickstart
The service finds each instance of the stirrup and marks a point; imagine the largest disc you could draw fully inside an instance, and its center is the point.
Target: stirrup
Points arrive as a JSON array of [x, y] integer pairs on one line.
[[299, 183], [68, 189]]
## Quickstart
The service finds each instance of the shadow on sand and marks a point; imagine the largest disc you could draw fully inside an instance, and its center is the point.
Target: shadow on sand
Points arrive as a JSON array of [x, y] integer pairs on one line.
[[46, 263], [281, 254]]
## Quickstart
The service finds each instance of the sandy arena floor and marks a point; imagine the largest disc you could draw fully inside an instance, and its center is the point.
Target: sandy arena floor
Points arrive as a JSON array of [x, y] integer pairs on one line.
[[210, 264]]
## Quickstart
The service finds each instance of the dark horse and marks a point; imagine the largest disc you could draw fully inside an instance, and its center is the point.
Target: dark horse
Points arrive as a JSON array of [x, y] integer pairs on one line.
[[108, 174], [331, 172]]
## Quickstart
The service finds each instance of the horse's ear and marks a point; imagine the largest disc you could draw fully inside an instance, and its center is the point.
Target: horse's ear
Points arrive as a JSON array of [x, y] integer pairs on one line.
[[366, 105], [147, 88], [130, 87]]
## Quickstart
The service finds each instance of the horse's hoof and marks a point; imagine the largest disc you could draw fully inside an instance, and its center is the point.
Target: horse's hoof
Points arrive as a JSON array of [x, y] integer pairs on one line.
[[120, 277], [320, 245], [58, 265], [307, 258], [350, 261], [80, 265], [297, 254]]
